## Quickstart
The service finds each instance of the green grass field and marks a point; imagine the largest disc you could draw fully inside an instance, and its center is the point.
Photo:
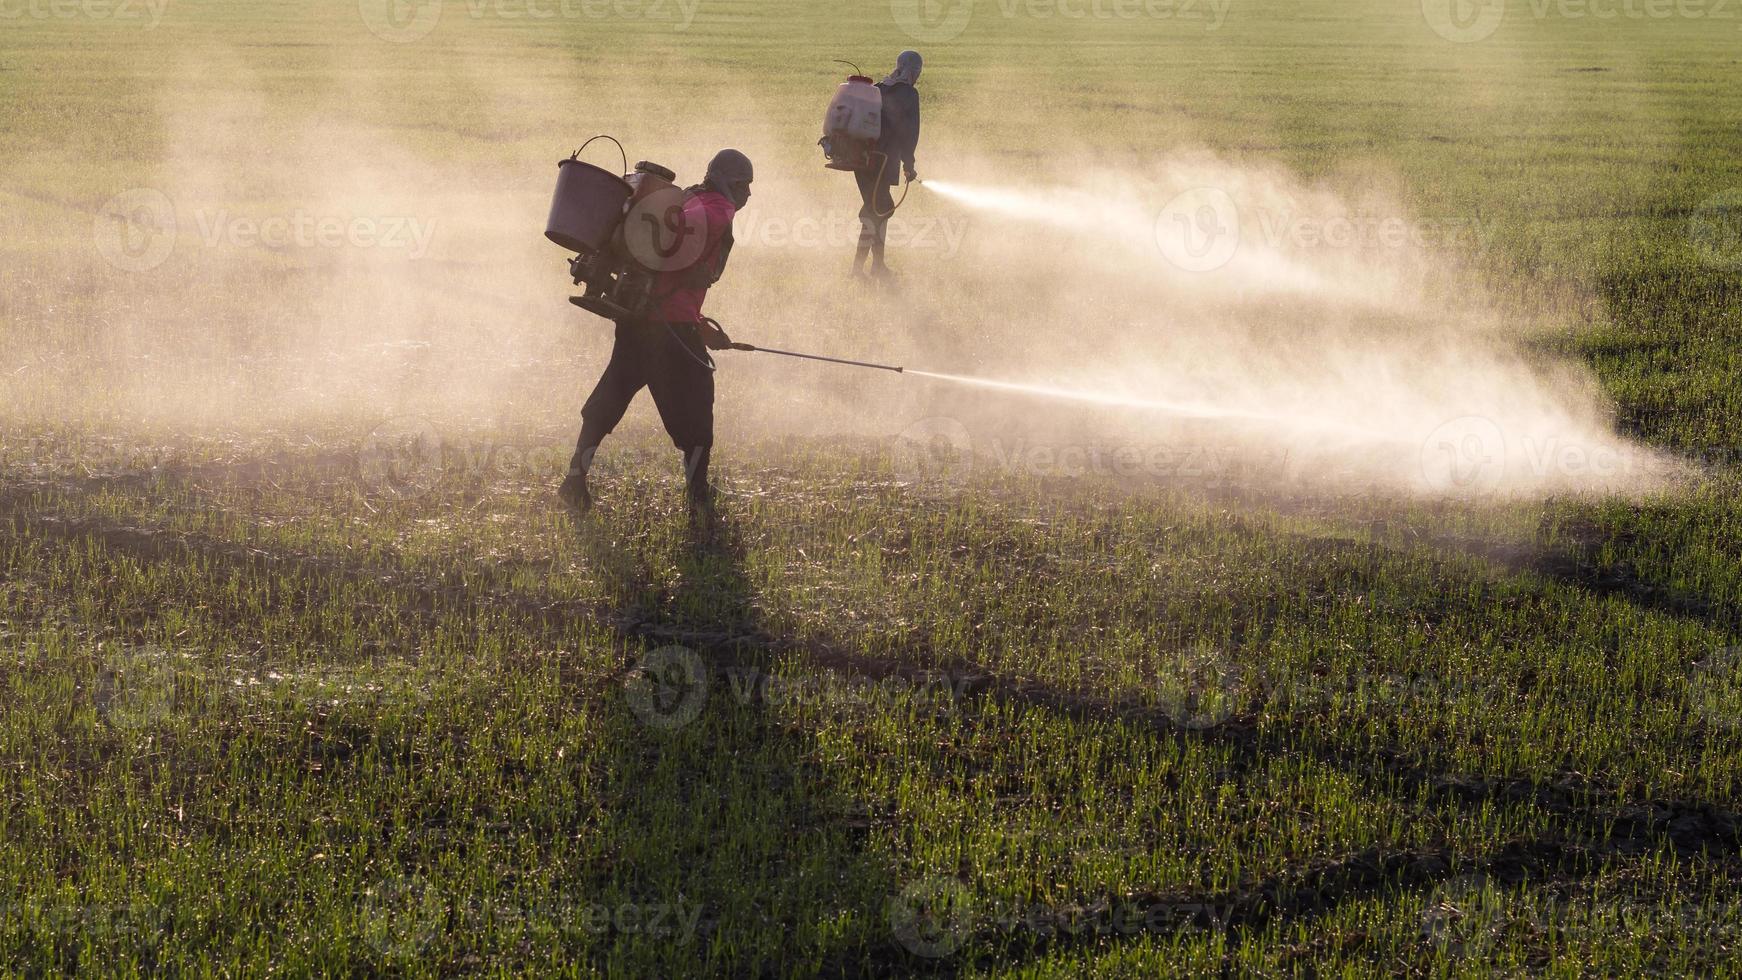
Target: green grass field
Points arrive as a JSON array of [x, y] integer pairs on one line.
[[281, 695]]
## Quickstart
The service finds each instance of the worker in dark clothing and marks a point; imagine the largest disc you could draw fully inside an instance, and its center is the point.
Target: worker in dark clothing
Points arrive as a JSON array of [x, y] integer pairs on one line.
[[667, 352], [896, 142]]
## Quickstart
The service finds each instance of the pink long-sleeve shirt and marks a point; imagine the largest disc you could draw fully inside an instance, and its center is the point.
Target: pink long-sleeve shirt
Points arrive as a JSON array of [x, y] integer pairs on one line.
[[708, 213]]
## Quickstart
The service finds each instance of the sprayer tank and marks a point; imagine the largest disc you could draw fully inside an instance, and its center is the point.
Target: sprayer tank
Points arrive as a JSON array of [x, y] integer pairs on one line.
[[587, 206], [653, 193], [856, 111], [851, 124]]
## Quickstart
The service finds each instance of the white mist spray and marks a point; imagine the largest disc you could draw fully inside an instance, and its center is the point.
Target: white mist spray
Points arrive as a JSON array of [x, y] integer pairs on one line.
[[1279, 313]]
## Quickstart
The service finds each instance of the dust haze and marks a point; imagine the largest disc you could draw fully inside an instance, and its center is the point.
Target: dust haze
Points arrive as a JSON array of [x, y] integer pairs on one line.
[[341, 258]]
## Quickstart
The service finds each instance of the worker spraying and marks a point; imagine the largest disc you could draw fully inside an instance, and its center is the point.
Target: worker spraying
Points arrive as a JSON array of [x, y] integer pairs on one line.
[[662, 340], [876, 172], [647, 252]]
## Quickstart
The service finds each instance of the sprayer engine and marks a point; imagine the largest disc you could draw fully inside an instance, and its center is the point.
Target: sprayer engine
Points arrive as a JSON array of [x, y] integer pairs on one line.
[[625, 231], [852, 124]]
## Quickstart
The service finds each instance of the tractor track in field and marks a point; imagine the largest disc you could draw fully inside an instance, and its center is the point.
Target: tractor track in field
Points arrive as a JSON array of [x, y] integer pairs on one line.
[[1618, 822], [1298, 896]]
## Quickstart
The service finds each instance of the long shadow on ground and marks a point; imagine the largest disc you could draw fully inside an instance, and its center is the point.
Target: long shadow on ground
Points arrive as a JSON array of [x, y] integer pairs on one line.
[[728, 815], [713, 613], [716, 797]]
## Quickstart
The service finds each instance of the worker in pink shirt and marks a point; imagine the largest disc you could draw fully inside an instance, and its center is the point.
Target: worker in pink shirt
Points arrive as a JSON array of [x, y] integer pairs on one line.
[[667, 351]]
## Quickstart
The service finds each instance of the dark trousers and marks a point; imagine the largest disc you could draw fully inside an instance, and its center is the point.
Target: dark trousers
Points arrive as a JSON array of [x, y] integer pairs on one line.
[[672, 363], [877, 205]]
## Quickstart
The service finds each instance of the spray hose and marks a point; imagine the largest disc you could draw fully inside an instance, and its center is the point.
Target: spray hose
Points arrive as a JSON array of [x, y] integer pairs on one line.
[[706, 360], [905, 187]]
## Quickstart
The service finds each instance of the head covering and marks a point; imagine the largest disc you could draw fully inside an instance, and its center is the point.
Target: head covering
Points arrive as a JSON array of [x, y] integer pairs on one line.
[[907, 66], [730, 173]]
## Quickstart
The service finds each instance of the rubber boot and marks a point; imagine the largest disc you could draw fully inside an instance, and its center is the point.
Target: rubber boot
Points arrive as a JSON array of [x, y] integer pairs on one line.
[[574, 493], [879, 269], [696, 486], [867, 236]]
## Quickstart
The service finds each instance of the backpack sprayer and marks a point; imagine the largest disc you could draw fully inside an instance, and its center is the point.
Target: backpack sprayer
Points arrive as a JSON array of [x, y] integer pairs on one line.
[[851, 127], [626, 230], [852, 122]]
